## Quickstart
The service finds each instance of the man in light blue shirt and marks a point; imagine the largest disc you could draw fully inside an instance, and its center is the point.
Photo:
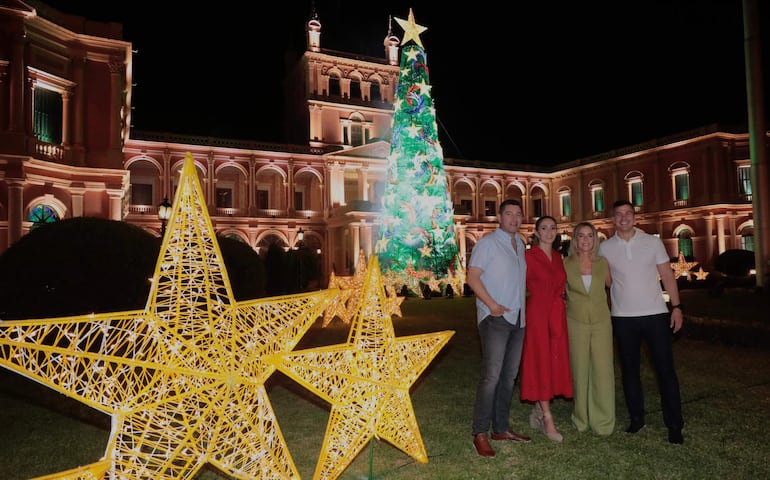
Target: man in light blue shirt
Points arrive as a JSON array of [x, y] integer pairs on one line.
[[497, 274]]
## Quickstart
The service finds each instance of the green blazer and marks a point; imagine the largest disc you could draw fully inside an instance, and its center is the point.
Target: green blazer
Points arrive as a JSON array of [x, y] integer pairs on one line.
[[591, 306]]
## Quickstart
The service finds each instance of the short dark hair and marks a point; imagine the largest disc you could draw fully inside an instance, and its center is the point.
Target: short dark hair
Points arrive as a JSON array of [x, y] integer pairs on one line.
[[507, 202], [620, 203]]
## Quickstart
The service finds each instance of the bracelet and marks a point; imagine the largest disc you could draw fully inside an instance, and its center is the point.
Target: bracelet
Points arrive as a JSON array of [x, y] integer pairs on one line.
[[678, 305]]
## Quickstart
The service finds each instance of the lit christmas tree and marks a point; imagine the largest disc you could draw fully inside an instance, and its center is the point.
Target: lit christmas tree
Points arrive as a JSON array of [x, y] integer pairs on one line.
[[417, 239]]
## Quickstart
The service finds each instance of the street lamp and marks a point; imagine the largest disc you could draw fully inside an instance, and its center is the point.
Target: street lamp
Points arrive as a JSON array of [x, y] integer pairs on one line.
[[164, 212], [300, 253]]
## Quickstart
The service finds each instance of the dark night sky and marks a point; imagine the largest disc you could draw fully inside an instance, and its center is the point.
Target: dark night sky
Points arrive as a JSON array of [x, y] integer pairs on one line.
[[532, 84]]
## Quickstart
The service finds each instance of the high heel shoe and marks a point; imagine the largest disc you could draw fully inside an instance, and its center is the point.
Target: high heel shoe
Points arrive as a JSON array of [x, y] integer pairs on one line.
[[536, 417], [554, 436]]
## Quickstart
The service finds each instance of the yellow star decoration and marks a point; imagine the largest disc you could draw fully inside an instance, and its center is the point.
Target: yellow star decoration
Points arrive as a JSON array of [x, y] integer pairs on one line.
[[366, 381], [183, 379], [346, 304], [412, 31], [393, 302], [682, 267], [701, 275]]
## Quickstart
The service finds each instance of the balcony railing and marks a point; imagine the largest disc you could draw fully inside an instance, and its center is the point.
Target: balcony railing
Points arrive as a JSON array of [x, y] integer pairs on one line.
[[681, 203], [49, 151], [143, 209]]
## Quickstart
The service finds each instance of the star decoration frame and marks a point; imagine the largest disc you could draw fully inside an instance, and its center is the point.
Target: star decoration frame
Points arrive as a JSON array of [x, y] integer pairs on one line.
[[682, 267], [183, 379], [345, 305], [366, 381]]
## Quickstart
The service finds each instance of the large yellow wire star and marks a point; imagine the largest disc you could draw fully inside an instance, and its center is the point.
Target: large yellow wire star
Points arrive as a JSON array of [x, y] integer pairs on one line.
[[366, 381], [183, 379]]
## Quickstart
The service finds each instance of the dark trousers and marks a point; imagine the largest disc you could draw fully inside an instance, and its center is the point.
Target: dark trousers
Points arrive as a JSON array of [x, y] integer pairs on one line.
[[655, 331], [501, 345]]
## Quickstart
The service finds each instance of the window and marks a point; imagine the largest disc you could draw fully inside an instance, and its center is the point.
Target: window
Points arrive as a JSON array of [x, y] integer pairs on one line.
[[375, 94], [680, 182], [597, 196], [684, 243], [263, 199], [47, 116], [635, 182], [637, 196], [42, 214], [744, 182], [537, 207], [355, 88], [682, 186], [299, 201], [334, 86], [141, 194], [467, 206], [355, 131], [565, 200], [490, 208], [224, 198], [747, 239], [356, 134]]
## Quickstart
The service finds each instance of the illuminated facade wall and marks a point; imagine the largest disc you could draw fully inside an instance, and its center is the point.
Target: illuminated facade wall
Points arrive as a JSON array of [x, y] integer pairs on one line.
[[689, 188]]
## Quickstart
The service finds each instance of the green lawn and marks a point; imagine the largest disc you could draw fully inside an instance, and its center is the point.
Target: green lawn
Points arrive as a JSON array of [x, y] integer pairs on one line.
[[726, 397]]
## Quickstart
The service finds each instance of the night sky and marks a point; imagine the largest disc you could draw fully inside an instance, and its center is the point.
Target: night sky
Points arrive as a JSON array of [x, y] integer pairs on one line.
[[529, 83]]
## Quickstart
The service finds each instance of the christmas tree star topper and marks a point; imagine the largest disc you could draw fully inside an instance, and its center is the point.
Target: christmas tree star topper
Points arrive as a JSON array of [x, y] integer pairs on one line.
[[412, 30]]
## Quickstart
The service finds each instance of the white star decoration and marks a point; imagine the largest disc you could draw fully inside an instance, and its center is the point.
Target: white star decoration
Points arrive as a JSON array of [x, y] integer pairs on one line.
[[183, 379], [412, 31], [366, 381]]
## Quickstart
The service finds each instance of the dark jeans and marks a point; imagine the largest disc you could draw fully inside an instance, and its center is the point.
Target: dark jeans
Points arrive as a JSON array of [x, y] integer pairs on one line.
[[655, 330], [501, 345]]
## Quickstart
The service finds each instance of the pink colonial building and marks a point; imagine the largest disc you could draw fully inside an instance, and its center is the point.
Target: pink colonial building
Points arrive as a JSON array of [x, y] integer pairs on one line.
[[67, 150]]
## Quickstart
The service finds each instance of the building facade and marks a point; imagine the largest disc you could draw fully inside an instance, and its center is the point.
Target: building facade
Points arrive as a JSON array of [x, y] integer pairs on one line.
[[67, 150]]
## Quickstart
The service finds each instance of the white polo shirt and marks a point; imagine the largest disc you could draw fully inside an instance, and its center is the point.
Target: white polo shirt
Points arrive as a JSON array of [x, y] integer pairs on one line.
[[636, 289]]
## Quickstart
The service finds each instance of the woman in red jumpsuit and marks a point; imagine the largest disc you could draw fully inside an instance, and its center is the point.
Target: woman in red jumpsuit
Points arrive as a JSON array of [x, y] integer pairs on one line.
[[545, 371]]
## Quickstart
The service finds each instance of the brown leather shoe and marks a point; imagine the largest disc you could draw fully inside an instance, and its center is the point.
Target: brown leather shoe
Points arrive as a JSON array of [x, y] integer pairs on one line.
[[481, 442], [512, 436]]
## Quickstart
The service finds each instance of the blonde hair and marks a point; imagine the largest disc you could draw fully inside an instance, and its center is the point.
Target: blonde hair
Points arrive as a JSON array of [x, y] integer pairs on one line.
[[573, 249]]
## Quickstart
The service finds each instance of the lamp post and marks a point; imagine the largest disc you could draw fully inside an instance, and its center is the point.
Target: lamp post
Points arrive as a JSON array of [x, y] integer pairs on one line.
[[300, 237], [164, 212]]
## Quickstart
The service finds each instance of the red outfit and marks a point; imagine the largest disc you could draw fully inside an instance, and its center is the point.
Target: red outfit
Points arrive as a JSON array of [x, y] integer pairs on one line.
[[545, 371]]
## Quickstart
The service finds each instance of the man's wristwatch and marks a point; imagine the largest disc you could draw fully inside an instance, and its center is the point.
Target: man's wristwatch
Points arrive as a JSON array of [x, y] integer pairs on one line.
[[679, 306]]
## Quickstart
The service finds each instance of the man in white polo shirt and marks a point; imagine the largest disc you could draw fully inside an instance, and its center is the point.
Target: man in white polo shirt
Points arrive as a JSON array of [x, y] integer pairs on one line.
[[639, 263]]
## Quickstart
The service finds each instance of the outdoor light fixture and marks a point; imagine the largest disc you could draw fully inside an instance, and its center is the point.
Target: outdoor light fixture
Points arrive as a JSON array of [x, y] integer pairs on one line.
[[164, 212]]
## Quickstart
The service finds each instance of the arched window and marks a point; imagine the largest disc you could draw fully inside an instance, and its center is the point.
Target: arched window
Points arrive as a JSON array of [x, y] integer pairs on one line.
[[42, 214], [596, 187], [334, 86], [565, 202], [684, 243], [680, 182], [635, 182], [747, 239], [355, 88], [374, 92]]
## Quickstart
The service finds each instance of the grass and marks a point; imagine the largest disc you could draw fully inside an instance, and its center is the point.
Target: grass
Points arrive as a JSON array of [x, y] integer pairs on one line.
[[725, 393]]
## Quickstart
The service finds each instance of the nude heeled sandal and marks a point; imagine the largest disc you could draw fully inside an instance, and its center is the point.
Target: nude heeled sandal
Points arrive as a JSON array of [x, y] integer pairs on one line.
[[552, 436]]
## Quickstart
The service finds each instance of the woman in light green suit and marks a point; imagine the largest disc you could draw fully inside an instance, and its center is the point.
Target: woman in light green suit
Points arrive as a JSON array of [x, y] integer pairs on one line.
[[590, 333]]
